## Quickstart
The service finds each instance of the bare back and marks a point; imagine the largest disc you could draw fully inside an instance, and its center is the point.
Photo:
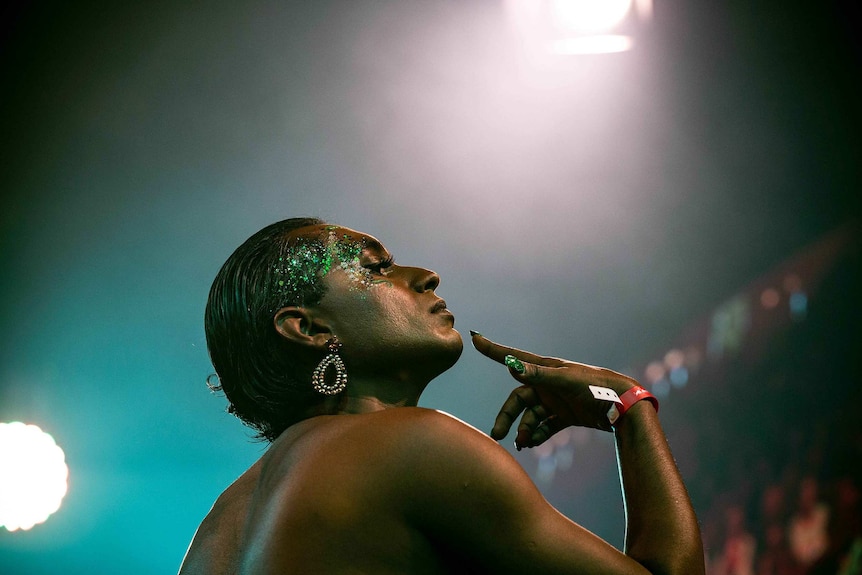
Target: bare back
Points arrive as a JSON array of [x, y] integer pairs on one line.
[[327, 497]]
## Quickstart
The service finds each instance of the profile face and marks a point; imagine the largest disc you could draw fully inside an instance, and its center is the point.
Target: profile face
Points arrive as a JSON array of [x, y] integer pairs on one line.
[[387, 316]]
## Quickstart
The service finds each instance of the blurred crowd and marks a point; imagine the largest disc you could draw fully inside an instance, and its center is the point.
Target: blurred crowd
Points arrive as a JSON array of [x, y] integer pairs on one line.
[[778, 489], [772, 447], [776, 479], [804, 527]]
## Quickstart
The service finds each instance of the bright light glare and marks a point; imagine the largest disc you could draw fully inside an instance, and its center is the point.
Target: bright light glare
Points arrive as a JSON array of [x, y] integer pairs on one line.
[[570, 27], [33, 476], [589, 15], [604, 44]]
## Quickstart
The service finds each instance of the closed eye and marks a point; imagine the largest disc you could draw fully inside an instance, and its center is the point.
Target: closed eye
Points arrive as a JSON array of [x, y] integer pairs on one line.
[[381, 265]]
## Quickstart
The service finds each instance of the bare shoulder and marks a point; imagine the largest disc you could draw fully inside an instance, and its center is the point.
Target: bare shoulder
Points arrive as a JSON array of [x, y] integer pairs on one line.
[[413, 423], [381, 446], [404, 440], [421, 421], [453, 458], [426, 433], [353, 436]]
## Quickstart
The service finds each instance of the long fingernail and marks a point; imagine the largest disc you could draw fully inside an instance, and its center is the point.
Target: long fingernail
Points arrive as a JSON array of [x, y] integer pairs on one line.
[[475, 333], [514, 363]]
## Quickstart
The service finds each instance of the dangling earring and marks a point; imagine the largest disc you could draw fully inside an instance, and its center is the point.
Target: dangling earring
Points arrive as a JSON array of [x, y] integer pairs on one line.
[[318, 378]]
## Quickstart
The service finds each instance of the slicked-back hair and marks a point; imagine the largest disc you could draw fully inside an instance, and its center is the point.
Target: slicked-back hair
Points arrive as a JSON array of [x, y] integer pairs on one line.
[[255, 368]]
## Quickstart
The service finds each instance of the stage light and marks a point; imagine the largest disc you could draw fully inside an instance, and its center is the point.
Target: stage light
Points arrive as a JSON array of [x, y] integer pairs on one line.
[[567, 27], [589, 15], [33, 476]]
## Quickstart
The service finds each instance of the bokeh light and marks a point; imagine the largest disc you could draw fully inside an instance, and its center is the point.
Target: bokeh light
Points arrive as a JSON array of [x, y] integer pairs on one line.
[[792, 283], [730, 323], [661, 388], [678, 376], [654, 371], [33, 476], [674, 359], [798, 305], [769, 298]]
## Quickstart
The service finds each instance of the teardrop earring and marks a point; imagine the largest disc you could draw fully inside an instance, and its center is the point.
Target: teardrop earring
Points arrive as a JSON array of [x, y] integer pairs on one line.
[[318, 378]]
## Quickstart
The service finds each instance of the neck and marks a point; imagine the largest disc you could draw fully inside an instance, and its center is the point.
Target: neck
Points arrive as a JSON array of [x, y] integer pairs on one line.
[[368, 404], [370, 395], [356, 404]]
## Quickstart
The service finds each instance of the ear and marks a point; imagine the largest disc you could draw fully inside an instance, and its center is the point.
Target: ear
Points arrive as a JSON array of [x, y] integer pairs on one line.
[[297, 325]]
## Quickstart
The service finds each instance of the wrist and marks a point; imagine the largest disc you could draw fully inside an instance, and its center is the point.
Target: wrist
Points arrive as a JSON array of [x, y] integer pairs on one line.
[[634, 395]]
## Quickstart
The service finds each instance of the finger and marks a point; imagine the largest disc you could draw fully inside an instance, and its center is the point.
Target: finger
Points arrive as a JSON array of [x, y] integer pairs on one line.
[[520, 399], [540, 413], [499, 352], [541, 434], [532, 374], [564, 375], [546, 430], [532, 419]]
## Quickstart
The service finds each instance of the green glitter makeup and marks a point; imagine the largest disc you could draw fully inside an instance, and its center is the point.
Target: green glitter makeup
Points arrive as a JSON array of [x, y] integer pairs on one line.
[[348, 258], [303, 264]]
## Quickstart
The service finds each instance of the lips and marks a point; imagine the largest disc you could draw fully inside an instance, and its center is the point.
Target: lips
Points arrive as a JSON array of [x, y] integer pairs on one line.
[[439, 306]]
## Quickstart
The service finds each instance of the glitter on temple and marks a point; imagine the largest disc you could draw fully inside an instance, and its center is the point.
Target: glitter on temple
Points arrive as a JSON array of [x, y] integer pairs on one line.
[[303, 264]]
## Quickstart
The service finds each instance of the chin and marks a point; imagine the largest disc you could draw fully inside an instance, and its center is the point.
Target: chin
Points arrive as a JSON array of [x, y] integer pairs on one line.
[[454, 348]]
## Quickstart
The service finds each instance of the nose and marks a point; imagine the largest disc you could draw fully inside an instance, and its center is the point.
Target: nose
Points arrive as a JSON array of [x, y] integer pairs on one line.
[[425, 280]]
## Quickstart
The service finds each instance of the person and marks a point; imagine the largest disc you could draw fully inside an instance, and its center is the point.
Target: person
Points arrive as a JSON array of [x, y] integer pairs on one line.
[[808, 533], [323, 345], [737, 555]]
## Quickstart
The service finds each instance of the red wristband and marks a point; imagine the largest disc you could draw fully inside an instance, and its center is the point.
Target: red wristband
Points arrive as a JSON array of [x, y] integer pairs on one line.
[[628, 399]]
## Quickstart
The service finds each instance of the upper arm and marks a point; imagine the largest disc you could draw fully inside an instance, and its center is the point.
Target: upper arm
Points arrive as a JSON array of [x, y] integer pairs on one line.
[[464, 491]]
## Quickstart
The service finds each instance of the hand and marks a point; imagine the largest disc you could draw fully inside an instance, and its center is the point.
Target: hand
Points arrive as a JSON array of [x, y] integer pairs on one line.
[[555, 394]]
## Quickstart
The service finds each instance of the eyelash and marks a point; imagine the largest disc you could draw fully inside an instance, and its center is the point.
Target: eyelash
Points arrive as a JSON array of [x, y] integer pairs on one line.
[[381, 265]]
